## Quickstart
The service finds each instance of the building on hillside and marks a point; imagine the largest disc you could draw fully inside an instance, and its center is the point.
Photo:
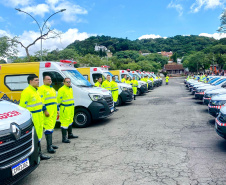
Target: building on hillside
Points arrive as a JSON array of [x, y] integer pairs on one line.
[[103, 48], [174, 68], [166, 54]]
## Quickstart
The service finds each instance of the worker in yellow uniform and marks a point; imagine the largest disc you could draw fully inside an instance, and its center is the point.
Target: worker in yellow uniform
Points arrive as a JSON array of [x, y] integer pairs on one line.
[[128, 80], [145, 79], [49, 99], [31, 100], [134, 85], [66, 101], [124, 79], [106, 84], [167, 79], [114, 91], [98, 83]]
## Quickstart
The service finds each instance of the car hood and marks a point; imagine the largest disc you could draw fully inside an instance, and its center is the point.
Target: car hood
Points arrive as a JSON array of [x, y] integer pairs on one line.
[[219, 97], [10, 112], [216, 91], [96, 90], [208, 87]]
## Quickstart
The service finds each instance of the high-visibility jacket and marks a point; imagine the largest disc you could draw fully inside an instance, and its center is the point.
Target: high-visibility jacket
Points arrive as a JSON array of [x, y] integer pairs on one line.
[[114, 90], [66, 100], [188, 77], [134, 85], [31, 100], [106, 85], [167, 79], [202, 78], [123, 80], [145, 80], [97, 84], [49, 99], [128, 82]]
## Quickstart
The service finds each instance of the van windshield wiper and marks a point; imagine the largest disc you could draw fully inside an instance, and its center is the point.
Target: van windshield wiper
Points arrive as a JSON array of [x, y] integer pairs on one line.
[[84, 86]]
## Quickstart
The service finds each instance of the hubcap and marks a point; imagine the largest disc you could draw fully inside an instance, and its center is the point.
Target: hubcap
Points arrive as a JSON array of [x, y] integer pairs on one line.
[[80, 118]]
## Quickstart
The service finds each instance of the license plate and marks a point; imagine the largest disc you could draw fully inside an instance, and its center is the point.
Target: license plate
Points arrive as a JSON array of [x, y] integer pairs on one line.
[[112, 109], [20, 167]]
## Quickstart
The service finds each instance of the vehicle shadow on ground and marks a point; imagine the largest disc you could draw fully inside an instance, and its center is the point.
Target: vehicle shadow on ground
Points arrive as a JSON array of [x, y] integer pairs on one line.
[[100, 122], [205, 110], [211, 122], [199, 102], [221, 145]]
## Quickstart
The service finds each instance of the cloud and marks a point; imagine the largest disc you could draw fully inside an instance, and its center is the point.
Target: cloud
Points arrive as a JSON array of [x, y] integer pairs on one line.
[[177, 6], [65, 39], [217, 36], [207, 4], [39, 9], [15, 3], [151, 36], [1, 19]]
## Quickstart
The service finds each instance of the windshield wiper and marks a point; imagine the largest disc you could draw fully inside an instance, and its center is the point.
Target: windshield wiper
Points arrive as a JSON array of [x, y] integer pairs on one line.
[[84, 85]]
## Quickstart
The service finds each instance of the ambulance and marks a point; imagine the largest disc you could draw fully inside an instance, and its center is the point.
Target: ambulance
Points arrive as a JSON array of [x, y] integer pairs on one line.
[[19, 151], [93, 73], [90, 103], [142, 86]]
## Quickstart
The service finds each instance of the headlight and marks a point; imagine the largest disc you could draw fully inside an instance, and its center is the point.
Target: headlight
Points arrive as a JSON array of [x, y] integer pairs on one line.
[[124, 88], [218, 102], [200, 90], [96, 97]]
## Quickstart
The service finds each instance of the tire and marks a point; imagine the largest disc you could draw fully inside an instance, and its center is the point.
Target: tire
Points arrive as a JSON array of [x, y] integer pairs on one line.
[[119, 102], [138, 92], [82, 118]]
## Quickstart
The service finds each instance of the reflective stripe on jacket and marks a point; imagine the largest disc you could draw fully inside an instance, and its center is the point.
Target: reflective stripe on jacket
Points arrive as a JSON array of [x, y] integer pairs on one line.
[[106, 85]]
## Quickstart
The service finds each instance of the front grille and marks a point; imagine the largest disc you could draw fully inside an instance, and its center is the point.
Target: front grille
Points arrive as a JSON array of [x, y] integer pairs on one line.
[[130, 90], [12, 150], [221, 118], [109, 101]]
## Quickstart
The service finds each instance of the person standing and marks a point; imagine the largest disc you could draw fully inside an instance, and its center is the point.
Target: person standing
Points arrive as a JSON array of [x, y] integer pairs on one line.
[[31, 100], [48, 95], [128, 80], [98, 83], [66, 100], [167, 79], [134, 85], [106, 84], [114, 91], [124, 79]]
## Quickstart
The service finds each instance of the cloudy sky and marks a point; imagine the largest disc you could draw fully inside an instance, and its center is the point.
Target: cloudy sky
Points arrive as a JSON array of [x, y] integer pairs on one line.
[[117, 18]]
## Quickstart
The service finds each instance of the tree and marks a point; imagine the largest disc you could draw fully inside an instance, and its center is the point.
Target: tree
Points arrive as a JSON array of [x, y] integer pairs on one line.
[[174, 57], [8, 47], [222, 28], [43, 37]]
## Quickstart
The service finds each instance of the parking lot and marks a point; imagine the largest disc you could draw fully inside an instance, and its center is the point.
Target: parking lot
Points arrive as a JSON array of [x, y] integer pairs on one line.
[[163, 137]]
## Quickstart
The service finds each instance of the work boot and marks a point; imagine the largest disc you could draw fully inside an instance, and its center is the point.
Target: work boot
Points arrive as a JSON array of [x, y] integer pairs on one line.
[[42, 156], [49, 143], [70, 134], [64, 136], [134, 97], [115, 107], [55, 147]]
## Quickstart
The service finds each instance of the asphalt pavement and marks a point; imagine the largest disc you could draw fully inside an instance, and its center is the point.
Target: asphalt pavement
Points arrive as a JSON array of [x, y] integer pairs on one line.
[[163, 137]]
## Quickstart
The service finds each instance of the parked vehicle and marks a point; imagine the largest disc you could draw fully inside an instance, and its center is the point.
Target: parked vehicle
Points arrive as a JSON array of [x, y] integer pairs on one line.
[[208, 94], [93, 73], [19, 151], [216, 103], [90, 103], [220, 123]]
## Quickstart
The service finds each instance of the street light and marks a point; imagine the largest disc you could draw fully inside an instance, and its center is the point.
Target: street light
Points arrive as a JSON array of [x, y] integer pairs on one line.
[[40, 29]]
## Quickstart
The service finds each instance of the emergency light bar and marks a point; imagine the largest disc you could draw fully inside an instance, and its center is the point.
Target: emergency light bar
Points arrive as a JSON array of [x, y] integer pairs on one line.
[[68, 61], [105, 66]]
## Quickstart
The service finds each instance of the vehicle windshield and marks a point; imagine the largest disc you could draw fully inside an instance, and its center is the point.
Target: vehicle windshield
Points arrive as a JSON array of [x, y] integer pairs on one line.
[[137, 77], [76, 78], [222, 80], [213, 80], [111, 75]]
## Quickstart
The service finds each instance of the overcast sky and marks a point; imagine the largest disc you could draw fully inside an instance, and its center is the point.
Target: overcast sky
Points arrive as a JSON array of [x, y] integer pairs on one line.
[[117, 18]]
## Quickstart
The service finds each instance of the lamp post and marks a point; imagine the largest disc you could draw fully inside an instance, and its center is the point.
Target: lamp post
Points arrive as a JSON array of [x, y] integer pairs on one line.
[[40, 28]]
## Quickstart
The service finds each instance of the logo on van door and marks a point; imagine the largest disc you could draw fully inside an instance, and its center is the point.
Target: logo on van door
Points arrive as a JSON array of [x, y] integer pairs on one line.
[[16, 131]]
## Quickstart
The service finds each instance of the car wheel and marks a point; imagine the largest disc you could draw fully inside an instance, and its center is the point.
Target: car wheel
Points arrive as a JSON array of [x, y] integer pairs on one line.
[[82, 118], [138, 92]]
